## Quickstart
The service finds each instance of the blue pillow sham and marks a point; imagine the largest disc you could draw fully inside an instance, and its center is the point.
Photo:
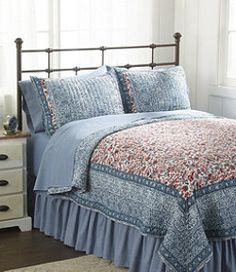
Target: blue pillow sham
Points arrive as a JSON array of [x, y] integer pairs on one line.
[[32, 104], [70, 99], [32, 107], [153, 90]]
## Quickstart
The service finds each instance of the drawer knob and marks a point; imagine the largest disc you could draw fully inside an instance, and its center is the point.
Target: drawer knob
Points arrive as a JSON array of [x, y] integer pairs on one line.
[[4, 208], [3, 182], [3, 157]]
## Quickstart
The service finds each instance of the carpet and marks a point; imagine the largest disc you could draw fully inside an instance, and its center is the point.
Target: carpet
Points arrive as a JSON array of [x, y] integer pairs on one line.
[[88, 263]]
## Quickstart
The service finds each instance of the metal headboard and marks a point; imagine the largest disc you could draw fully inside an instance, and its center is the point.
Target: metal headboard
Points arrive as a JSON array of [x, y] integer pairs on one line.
[[76, 69]]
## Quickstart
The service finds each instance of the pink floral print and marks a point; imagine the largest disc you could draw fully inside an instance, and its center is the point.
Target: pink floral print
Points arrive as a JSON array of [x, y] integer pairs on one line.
[[184, 154]]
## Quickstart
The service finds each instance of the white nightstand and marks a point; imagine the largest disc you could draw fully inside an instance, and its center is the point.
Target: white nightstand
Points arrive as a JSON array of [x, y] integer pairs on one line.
[[13, 187]]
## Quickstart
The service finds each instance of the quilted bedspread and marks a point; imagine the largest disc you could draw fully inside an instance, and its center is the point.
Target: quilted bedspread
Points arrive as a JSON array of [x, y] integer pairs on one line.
[[174, 178]]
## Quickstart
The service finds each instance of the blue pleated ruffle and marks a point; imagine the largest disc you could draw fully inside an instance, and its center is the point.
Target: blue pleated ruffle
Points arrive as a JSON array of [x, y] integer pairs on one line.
[[90, 231]]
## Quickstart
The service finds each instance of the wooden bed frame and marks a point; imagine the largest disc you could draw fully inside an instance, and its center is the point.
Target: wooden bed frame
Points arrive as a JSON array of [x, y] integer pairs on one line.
[[76, 69]]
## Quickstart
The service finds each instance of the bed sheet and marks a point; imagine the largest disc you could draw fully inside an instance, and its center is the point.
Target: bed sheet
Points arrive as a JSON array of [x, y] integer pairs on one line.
[[36, 145]]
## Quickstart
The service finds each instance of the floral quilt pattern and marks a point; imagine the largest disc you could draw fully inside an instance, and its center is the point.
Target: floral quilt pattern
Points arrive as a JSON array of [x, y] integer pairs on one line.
[[184, 154]]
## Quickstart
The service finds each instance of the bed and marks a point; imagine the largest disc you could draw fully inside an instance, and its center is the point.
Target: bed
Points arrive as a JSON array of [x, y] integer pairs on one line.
[[128, 171]]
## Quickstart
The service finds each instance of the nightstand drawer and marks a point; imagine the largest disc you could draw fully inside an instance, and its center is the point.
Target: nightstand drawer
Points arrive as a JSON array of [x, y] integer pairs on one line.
[[11, 154], [11, 181], [11, 207]]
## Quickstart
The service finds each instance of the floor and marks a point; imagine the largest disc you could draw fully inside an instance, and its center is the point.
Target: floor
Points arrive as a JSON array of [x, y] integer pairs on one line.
[[20, 249]]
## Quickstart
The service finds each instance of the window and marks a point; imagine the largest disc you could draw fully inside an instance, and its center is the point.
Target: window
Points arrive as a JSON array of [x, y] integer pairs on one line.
[[93, 23], [228, 44]]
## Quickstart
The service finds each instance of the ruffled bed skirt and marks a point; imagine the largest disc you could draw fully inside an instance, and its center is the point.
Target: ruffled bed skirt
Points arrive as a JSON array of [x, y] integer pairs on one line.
[[92, 232]]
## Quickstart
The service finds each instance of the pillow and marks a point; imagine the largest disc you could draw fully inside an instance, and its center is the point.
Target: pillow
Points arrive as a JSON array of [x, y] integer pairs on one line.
[[153, 90], [69, 99], [32, 104]]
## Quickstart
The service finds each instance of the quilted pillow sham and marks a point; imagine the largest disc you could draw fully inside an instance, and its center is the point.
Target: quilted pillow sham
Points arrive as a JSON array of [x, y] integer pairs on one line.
[[153, 90], [32, 104], [70, 99]]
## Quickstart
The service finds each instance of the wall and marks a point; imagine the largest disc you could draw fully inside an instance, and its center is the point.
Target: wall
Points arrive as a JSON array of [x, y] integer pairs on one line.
[[163, 27], [222, 101], [163, 20], [199, 22]]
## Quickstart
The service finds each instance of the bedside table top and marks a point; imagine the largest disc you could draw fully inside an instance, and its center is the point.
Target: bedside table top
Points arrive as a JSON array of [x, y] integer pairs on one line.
[[18, 134]]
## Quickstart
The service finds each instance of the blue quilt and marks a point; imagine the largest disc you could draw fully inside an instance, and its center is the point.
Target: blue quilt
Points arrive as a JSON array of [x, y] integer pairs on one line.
[[168, 174]]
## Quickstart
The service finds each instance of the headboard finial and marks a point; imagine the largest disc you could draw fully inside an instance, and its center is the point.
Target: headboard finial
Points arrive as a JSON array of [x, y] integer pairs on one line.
[[177, 36], [18, 42]]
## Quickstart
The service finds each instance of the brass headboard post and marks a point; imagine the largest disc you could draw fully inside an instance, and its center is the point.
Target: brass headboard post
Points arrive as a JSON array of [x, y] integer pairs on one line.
[[19, 42], [177, 37]]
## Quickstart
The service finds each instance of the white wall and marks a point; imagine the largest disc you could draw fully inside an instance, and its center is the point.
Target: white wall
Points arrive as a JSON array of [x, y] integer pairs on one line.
[[198, 21], [163, 15], [163, 27]]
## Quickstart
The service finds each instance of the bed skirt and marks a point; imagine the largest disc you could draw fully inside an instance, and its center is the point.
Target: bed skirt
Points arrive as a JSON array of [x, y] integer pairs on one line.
[[91, 232]]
